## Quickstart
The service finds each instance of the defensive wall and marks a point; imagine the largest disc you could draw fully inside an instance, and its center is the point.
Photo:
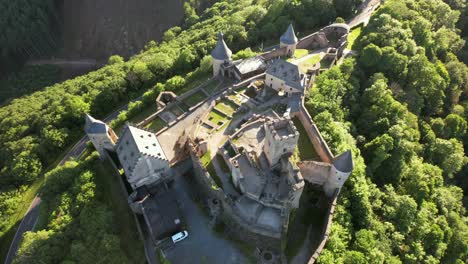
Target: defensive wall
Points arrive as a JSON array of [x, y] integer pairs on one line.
[[236, 226]]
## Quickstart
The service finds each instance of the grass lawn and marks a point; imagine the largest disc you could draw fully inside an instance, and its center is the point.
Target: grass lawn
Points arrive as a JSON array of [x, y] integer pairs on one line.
[[192, 83], [353, 35], [176, 110], [211, 86], [144, 113], [216, 118], [195, 98], [207, 162], [226, 107], [309, 63], [325, 63], [306, 148], [156, 125], [299, 53]]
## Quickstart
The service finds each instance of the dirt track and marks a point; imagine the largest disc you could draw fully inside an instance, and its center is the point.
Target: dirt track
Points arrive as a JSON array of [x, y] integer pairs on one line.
[[100, 28]]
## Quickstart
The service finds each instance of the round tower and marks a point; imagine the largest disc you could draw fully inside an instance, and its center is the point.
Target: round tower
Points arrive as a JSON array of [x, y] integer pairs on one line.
[[289, 40], [221, 55], [101, 135], [341, 168]]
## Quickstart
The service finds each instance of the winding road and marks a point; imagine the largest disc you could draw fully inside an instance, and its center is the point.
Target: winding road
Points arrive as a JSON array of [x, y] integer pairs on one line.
[[29, 220]]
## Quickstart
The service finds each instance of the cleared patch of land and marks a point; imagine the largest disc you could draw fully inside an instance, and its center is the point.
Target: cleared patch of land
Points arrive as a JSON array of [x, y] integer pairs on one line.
[[100, 28], [353, 35], [306, 149]]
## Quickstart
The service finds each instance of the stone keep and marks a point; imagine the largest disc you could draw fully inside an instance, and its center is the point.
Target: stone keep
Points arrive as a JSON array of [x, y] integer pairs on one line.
[[220, 55], [142, 157], [340, 170], [101, 135], [289, 40], [281, 138]]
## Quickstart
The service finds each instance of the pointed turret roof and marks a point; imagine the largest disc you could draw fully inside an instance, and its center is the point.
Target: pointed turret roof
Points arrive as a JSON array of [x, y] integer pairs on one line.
[[94, 126], [344, 162], [289, 37], [221, 51]]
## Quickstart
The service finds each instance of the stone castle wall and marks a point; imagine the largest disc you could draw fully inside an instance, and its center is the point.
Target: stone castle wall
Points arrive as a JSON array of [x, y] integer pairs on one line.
[[236, 226], [317, 40]]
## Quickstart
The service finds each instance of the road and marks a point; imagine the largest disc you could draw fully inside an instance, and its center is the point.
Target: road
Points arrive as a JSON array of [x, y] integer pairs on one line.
[[202, 245], [30, 218]]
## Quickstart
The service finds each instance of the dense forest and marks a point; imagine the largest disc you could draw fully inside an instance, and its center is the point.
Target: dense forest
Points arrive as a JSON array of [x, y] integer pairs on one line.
[[29, 28], [35, 129], [400, 105]]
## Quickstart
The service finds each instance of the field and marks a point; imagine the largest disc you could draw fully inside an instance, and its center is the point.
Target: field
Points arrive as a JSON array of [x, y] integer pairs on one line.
[[306, 149], [156, 125], [226, 107], [309, 63], [353, 35], [195, 98], [99, 29]]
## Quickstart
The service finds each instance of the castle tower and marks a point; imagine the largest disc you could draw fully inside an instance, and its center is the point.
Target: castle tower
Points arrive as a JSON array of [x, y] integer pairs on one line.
[[221, 55], [281, 138], [100, 134], [289, 40], [341, 168]]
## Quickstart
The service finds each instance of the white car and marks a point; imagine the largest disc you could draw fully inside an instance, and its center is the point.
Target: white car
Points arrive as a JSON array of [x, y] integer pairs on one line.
[[179, 236]]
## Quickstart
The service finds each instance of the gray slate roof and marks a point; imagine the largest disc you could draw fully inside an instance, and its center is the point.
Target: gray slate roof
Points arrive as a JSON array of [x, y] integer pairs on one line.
[[287, 72], [221, 51], [289, 37], [94, 126], [344, 162]]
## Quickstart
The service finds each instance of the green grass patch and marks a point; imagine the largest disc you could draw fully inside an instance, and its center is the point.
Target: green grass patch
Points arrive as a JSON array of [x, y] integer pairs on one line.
[[144, 113], [211, 86], [326, 63], [156, 125], [216, 117], [309, 63], [207, 163], [306, 148], [194, 82], [353, 35], [226, 107], [195, 98]]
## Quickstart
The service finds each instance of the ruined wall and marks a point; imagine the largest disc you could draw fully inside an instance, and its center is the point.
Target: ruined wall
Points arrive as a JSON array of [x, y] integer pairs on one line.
[[317, 40], [314, 172], [274, 54]]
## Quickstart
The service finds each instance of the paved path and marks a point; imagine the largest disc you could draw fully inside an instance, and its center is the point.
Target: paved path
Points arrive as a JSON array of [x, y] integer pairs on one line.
[[202, 245], [366, 10], [64, 62]]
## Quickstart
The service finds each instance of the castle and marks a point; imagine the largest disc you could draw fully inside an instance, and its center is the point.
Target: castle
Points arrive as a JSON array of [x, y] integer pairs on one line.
[[261, 151]]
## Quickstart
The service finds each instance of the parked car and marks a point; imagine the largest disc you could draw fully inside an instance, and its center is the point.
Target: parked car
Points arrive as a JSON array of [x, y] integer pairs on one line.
[[179, 236]]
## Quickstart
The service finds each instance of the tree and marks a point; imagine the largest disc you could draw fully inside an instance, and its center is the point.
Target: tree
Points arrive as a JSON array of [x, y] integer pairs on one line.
[[455, 126]]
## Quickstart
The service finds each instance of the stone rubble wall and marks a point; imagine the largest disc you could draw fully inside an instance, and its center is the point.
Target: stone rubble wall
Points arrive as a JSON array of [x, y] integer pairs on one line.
[[314, 172]]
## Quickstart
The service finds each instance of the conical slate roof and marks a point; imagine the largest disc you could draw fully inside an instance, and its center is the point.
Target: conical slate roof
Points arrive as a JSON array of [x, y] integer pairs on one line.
[[289, 37], [94, 126], [344, 162], [221, 51]]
